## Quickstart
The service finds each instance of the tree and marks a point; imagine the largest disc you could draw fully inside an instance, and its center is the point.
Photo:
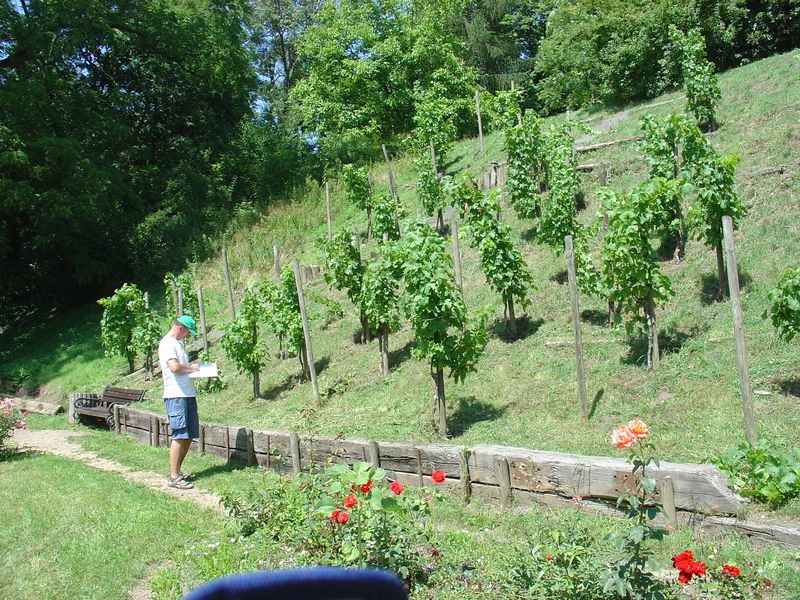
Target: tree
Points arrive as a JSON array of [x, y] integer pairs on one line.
[[183, 283], [444, 336], [345, 272], [523, 146], [430, 191], [711, 176], [383, 217], [123, 313], [146, 335], [284, 319], [630, 269], [559, 205], [379, 297], [242, 342], [359, 194], [502, 264], [702, 87]]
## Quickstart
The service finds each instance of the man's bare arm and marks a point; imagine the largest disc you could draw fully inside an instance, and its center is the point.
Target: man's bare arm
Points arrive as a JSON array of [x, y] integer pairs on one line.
[[180, 368]]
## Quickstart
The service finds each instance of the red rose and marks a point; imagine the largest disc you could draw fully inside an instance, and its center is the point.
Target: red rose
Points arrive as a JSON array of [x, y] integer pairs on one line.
[[697, 568], [767, 582], [730, 570], [548, 557], [684, 577], [434, 552], [350, 502], [334, 514], [396, 488], [682, 560], [342, 517], [437, 476], [365, 488]]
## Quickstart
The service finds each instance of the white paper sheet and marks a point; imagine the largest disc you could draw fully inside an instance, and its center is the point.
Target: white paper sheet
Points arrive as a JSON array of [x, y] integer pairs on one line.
[[206, 370]]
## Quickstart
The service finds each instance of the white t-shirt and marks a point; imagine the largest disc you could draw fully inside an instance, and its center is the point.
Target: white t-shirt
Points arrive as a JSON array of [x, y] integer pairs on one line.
[[175, 385]]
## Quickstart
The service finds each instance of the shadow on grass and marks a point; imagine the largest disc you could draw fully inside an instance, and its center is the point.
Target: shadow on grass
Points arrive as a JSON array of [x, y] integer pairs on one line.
[[233, 464], [595, 317], [709, 286], [560, 278], [291, 381], [9, 455], [789, 387], [470, 411], [595, 401], [525, 328], [529, 235], [400, 355], [669, 342]]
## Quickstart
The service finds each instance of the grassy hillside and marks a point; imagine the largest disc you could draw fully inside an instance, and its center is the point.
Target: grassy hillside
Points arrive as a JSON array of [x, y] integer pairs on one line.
[[524, 392]]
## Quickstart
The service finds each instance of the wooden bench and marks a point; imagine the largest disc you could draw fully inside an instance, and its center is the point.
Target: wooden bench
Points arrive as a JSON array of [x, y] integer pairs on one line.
[[102, 407]]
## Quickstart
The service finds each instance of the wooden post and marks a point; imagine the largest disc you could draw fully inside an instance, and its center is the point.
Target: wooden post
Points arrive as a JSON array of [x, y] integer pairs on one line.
[[374, 454], [576, 326], [202, 441], [202, 318], [493, 177], [117, 424], [668, 503], [174, 296], [504, 479], [228, 283], [227, 443], [306, 332], [328, 209], [392, 186], [276, 260], [251, 448], [738, 329], [478, 112], [294, 447], [180, 301], [456, 252], [466, 485]]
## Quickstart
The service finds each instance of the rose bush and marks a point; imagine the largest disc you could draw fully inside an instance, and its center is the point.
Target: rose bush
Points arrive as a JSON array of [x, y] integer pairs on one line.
[[11, 419], [718, 579]]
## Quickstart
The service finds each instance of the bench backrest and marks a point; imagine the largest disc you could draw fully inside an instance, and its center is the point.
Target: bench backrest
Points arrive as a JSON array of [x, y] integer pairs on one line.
[[122, 395]]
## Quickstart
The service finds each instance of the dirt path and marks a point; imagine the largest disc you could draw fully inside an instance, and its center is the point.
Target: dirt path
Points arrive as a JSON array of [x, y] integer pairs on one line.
[[54, 441]]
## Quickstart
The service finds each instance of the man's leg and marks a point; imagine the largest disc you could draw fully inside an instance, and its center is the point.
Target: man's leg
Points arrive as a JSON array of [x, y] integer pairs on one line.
[[177, 452]]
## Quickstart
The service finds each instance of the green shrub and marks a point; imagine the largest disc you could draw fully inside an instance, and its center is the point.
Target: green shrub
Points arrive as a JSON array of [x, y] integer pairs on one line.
[[784, 308], [762, 472]]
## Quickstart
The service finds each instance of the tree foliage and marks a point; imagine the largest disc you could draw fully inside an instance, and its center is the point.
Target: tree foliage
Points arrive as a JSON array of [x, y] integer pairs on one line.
[[702, 87], [183, 282], [559, 206], [125, 326], [242, 343], [283, 314], [784, 308], [523, 146]]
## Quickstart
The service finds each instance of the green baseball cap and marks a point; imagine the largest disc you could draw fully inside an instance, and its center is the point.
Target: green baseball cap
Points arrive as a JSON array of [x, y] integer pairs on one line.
[[189, 323]]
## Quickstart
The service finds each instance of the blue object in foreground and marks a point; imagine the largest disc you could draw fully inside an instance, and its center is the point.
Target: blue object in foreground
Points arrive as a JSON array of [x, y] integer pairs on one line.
[[317, 583]]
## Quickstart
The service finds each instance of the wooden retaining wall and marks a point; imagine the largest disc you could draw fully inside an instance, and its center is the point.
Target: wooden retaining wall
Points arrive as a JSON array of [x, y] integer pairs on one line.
[[501, 473], [691, 494]]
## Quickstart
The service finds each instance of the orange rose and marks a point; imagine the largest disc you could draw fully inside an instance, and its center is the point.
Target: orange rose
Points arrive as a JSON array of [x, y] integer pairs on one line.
[[639, 428], [623, 437]]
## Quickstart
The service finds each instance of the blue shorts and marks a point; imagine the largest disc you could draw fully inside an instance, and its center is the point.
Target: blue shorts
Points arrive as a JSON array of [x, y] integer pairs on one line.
[[183, 419]]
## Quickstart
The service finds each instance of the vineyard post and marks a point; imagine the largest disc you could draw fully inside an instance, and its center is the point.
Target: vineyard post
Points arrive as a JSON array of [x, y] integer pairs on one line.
[[738, 329], [202, 318], [228, 283], [328, 208], [576, 326], [174, 296], [456, 252], [493, 176], [357, 240], [180, 301], [276, 260], [149, 358], [392, 187], [478, 113], [306, 332]]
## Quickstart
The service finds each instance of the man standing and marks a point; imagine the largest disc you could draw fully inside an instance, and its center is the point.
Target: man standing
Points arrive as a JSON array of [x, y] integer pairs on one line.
[[180, 397]]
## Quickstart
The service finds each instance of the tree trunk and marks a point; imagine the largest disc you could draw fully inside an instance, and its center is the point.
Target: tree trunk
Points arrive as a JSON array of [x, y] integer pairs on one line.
[[612, 313], [680, 244], [722, 276], [305, 374], [365, 333], [369, 223], [512, 319], [256, 384], [652, 337], [440, 222], [438, 401], [383, 342]]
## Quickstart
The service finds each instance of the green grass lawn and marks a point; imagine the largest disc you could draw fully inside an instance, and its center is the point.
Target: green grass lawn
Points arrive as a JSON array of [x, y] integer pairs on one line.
[[524, 392], [68, 531]]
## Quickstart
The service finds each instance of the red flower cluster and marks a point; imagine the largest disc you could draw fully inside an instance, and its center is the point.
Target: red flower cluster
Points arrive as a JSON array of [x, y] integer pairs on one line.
[[688, 566], [730, 570], [366, 487], [396, 488], [350, 501], [339, 516], [437, 476]]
